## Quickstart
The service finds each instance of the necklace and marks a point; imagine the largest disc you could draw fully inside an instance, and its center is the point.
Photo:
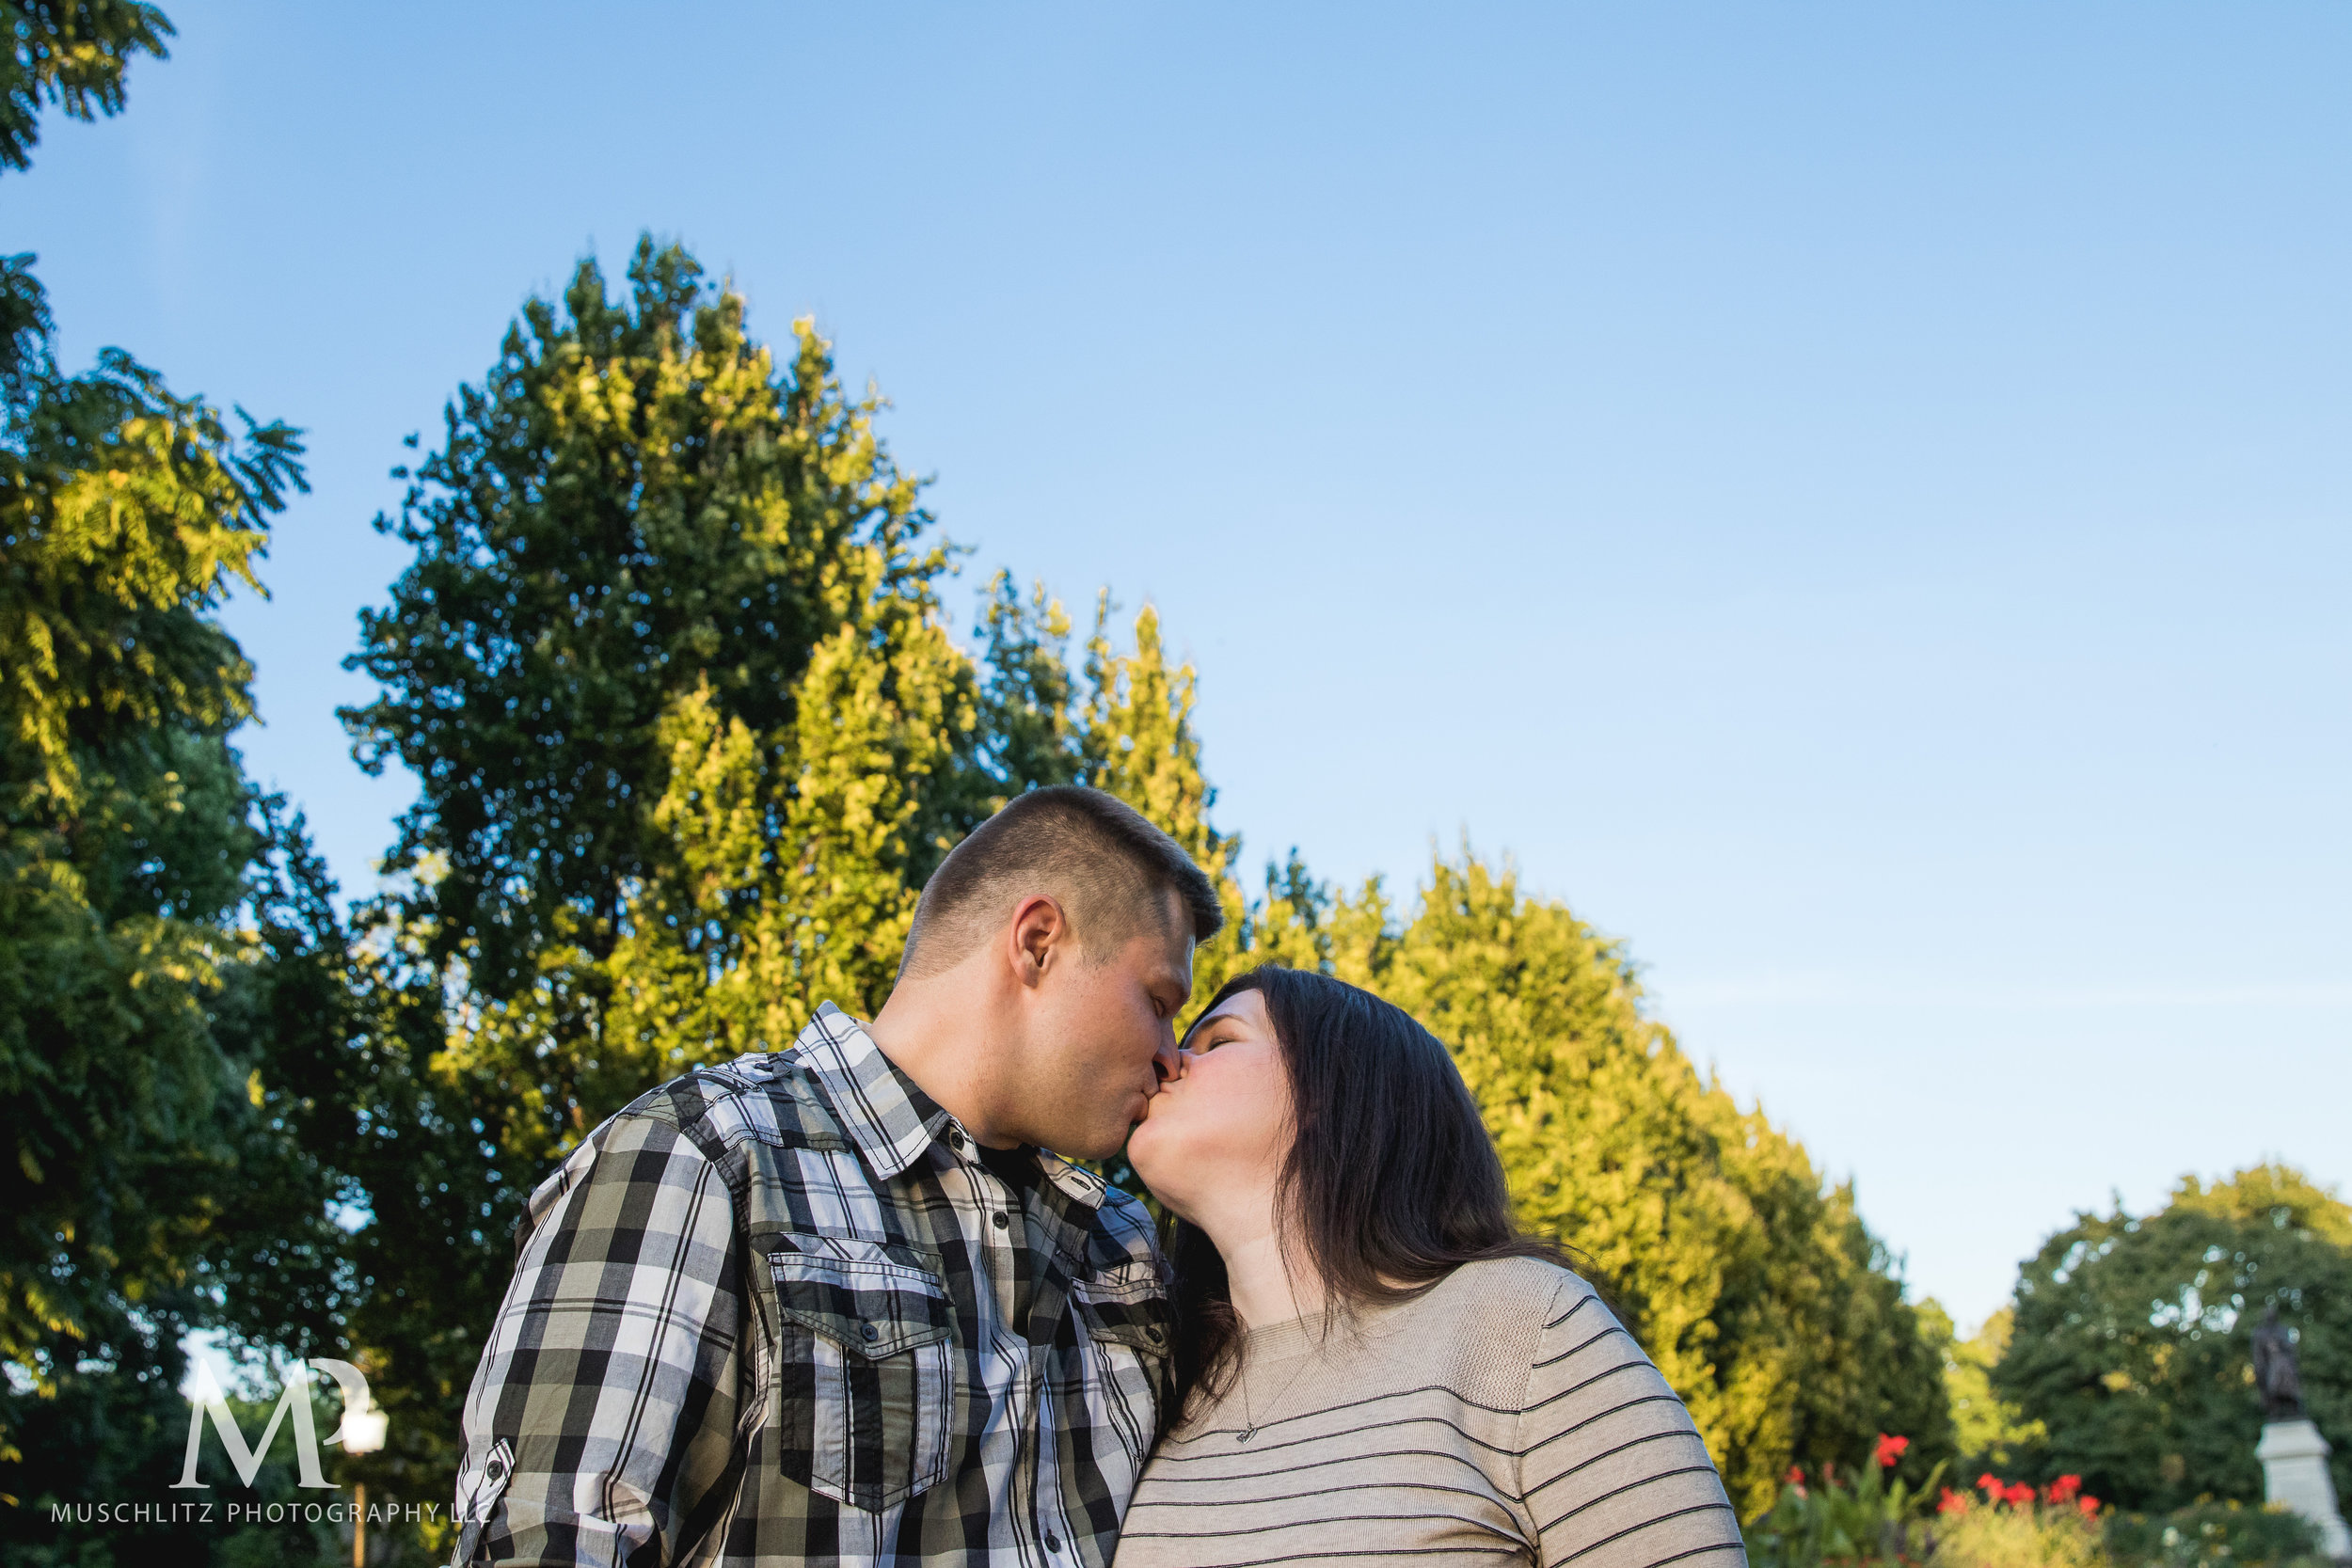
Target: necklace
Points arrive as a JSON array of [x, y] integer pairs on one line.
[[1249, 1421]]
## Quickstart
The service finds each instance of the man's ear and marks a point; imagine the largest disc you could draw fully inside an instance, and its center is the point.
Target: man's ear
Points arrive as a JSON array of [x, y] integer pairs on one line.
[[1038, 938]]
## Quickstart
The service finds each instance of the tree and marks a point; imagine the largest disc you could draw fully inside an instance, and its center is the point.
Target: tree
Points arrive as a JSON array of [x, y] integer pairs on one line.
[[1992, 1434], [2131, 1344], [635, 503], [74, 54], [795, 859], [158, 914]]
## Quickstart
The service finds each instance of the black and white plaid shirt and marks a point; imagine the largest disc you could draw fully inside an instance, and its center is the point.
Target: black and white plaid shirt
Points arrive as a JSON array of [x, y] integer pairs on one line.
[[784, 1311]]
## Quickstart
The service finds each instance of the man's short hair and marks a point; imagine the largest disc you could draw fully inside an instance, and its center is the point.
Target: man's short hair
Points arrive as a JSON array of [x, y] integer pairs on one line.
[[1109, 868]]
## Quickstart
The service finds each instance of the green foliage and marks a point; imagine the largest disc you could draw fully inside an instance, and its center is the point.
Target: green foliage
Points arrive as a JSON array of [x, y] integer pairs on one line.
[[1029, 719], [116, 1432], [1992, 1434], [2032, 1536], [2211, 1535], [165, 931], [142, 924], [73, 53], [637, 504], [1840, 1521], [126, 513], [1869, 1515], [1124, 726], [635, 847], [2131, 1345]]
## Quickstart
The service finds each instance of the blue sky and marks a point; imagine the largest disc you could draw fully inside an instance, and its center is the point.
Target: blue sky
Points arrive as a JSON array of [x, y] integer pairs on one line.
[[1853, 497]]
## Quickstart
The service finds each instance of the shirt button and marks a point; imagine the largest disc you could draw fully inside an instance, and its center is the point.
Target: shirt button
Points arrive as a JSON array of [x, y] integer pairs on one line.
[[869, 1331], [1053, 1542], [1004, 1221], [1152, 1335], [955, 1139]]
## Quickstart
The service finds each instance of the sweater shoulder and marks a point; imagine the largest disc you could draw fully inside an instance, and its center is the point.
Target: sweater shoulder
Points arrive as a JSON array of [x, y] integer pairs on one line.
[[1481, 1328], [1513, 1295]]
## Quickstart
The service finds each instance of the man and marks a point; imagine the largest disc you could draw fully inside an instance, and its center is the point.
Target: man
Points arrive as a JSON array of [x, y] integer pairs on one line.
[[839, 1305]]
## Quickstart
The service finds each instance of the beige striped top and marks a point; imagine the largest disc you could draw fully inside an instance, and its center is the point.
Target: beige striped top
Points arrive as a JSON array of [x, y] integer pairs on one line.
[[1505, 1416]]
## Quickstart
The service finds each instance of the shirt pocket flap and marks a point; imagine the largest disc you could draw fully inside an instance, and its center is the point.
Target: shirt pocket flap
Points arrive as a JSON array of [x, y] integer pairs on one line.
[[870, 1308], [1126, 1306]]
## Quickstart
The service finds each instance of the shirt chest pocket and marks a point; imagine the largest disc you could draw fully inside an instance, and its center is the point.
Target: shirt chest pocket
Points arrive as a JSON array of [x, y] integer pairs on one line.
[[866, 1372], [1129, 1330], [1126, 1306]]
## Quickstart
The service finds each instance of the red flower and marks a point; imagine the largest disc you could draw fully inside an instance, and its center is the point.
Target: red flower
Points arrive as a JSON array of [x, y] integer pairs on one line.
[[2017, 1496], [2063, 1489], [1890, 1450], [1796, 1475], [1952, 1502], [2089, 1504], [1989, 1484]]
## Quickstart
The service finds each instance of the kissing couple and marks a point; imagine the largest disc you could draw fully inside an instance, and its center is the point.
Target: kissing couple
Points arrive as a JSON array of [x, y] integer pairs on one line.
[[853, 1302]]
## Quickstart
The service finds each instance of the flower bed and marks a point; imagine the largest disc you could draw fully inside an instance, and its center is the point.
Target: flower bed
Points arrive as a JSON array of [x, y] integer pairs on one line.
[[1866, 1520]]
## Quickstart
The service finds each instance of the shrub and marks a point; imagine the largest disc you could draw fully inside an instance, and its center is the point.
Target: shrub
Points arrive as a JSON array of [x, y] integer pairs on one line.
[[2016, 1527], [2211, 1535], [1873, 1518]]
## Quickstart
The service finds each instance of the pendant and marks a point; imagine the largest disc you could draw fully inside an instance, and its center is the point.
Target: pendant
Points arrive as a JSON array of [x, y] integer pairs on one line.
[[1245, 1434]]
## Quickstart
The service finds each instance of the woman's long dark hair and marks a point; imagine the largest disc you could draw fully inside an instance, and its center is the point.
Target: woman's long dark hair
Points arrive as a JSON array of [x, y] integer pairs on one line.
[[1390, 1184]]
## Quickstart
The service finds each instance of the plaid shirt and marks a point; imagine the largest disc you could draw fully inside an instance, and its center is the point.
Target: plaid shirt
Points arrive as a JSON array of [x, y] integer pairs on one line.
[[781, 1311]]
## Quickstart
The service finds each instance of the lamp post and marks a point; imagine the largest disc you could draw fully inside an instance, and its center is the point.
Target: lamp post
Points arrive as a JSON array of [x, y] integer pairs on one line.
[[362, 1433]]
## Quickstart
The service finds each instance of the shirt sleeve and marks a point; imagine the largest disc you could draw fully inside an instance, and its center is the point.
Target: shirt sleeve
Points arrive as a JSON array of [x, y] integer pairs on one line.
[[1612, 1472], [604, 1411]]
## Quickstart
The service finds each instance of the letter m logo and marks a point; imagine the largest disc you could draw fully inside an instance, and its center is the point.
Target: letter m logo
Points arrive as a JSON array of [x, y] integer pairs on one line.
[[209, 1399]]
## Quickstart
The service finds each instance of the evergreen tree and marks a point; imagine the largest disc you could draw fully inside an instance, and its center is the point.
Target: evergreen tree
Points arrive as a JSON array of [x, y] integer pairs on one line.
[[637, 541], [1136, 741], [796, 859], [1029, 724]]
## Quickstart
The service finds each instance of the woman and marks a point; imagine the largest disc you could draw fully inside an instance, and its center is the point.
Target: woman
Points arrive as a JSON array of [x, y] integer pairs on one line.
[[1373, 1364]]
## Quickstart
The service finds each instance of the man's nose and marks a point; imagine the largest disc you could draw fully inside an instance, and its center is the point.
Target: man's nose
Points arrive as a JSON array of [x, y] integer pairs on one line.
[[1166, 1061]]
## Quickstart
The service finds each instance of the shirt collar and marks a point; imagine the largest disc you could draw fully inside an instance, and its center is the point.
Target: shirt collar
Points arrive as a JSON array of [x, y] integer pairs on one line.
[[884, 1113], [1075, 1181], [888, 1115]]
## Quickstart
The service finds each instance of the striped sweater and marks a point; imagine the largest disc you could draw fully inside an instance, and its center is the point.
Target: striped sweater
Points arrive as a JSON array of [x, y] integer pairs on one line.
[[1504, 1417]]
